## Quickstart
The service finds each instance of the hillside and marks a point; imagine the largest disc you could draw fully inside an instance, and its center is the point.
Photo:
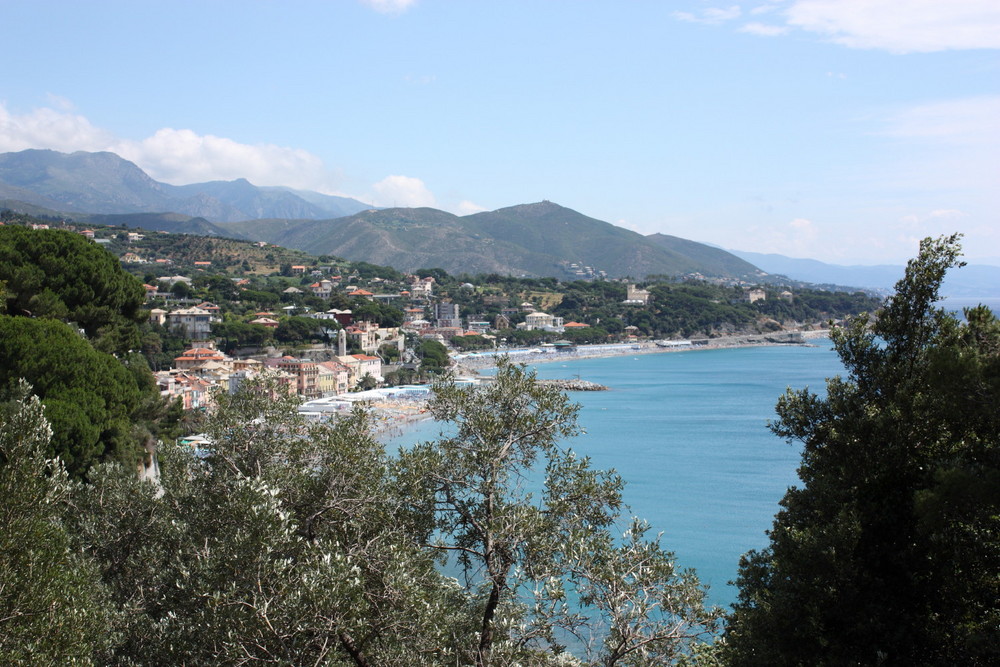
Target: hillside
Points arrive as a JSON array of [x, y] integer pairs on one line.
[[541, 239]]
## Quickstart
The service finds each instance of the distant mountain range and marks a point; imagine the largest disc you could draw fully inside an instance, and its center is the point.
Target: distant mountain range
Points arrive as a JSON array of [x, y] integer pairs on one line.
[[105, 183], [972, 281], [541, 239]]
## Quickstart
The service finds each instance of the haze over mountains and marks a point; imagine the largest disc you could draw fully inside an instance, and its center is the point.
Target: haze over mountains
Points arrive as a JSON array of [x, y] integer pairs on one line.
[[540, 239]]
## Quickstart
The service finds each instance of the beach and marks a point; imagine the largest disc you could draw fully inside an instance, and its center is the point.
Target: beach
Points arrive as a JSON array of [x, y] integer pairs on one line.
[[471, 364], [395, 412]]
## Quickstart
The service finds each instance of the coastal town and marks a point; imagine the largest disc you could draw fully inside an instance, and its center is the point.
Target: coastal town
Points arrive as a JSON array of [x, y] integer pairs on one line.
[[217, 312], [361, 354], [213, 314]]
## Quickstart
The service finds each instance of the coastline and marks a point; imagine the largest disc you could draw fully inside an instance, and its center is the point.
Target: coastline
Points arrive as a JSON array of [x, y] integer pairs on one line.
[[472, 365], [393, 416]]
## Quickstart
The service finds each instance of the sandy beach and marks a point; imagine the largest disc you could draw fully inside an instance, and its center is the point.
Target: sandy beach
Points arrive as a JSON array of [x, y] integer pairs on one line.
[[472, 364], [394, 414]]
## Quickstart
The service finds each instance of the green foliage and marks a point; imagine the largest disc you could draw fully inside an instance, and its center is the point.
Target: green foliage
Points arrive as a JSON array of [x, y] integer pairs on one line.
[[374, 311], [527, 552], [298, 330], [61, 275], [52, 605], [472, 342], [280, 544], [90, 397], [288, 541], [889, 551], [233, 334], [433, 356]]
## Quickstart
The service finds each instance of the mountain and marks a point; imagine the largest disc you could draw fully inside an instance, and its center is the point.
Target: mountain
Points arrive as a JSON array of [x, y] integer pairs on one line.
[[541, 239], [973, 281], [705, 254], [175, 223], [107, 184]]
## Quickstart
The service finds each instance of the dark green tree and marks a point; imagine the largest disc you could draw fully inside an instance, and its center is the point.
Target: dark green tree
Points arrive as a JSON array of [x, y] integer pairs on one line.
[[888, 553], [61, 275], [90, 396], [433, 356]]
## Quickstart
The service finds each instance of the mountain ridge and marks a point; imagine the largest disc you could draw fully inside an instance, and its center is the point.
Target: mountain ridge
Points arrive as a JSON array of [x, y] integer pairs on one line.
[[105, 183]]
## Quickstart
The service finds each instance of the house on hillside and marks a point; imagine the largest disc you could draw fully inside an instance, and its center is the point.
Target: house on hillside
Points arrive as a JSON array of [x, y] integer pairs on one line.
[[323, 289], [635, 296], [541, 321], [194, 322], [305, 372]]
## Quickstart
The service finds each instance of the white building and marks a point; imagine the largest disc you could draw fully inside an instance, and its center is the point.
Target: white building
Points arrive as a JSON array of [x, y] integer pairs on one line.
[[541, 321]]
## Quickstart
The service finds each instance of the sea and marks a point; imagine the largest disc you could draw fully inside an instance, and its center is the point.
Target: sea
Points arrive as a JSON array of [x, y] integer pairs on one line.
[[688, 431]]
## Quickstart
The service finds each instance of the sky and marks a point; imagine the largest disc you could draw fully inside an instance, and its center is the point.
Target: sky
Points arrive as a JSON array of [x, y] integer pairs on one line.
[[837, 130]]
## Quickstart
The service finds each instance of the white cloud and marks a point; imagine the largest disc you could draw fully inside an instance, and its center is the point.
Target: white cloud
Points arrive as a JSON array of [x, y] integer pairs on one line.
[[764, 30], [174, 156], [710, 15], [973, 121], [390, 7], [183, 156], [901, 26], [468, 208], [764, 9], [48, 128], [403, 191]]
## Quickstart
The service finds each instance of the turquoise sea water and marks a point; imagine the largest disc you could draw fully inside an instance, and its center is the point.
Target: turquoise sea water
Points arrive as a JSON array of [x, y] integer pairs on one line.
[[688, 432]]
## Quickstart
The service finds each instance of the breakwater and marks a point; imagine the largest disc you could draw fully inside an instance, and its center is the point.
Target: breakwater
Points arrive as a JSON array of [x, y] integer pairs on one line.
[[574, 385]]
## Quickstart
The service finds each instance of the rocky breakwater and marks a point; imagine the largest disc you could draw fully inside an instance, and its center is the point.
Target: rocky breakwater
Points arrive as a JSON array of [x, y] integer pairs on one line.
[[574, 385]]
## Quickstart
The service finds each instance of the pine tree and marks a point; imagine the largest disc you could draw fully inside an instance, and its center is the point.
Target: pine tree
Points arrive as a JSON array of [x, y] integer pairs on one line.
[[888, 552]]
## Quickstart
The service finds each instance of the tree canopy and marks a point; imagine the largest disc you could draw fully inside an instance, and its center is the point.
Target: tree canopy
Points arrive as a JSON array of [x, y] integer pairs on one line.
[[90, 397], [61, 275], [888, 553]]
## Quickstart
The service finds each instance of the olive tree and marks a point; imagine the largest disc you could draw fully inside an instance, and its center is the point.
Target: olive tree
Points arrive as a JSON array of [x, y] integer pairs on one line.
[[53, 610], [530, 525]]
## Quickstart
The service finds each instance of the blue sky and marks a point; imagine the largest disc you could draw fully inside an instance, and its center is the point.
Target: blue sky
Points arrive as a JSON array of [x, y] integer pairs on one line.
[[841, 130]]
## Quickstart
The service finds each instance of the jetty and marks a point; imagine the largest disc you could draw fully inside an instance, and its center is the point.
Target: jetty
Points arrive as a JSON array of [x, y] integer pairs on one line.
[[574, 385]]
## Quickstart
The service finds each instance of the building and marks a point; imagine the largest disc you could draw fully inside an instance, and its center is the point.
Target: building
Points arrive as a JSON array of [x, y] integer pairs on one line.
[[193, 322], [541, 321], [446, 315], [323, 289], [360, 365], [332, 378], [755, 294], [364, 336], [422, 288], [636, 297], [305, 372], [196, 357], [158, 316]]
